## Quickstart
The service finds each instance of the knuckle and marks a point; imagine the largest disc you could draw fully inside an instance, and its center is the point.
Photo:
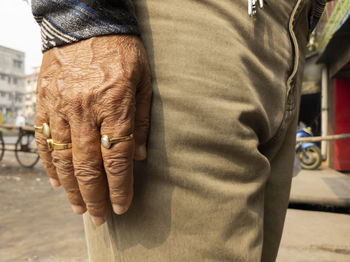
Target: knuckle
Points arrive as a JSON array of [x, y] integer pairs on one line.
[[40, 115], [88, 174], [40, 142], [75, 107], [49, 167], [119, 192], [144, 89], [63, 165], [117, 109], [96, 207], [73, 191], [142, 124], [117, 166]]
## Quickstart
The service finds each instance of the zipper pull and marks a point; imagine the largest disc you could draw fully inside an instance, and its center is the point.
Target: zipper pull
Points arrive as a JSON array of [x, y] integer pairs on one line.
[[252, 6], [261, 4]]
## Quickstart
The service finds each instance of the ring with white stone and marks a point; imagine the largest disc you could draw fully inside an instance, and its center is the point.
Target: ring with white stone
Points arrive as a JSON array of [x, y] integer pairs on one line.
[[44, 129], [107, 142]]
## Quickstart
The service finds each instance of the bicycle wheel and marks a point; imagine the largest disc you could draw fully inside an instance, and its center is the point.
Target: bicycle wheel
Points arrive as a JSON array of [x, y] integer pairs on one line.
[[2, 146], [26, 151]]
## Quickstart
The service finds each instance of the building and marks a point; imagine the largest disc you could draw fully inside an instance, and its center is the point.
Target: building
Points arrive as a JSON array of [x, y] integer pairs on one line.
[[325, 102], [12, 83], [30, 97]]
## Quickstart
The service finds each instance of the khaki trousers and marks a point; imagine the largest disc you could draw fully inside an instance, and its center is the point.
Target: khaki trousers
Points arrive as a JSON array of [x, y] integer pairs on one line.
[[216, 183]]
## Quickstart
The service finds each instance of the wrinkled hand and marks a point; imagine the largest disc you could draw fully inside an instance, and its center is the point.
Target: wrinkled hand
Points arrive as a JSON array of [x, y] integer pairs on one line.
[[100, 86]]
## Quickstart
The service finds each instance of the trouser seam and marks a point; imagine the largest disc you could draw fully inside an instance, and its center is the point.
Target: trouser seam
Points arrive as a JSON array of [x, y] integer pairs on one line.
[[290, 98]]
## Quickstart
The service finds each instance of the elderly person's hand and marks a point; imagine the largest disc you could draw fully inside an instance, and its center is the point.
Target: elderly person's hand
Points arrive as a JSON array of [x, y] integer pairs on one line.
[[100, 86]]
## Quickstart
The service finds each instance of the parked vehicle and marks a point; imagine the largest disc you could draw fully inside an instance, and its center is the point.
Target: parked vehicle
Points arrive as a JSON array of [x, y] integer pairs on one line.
[[24, 147], [308, 153]]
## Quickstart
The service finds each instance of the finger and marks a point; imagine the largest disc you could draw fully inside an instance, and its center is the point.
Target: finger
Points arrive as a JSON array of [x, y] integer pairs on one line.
[[62, 160], [118, 163], [88, 168], [143, 104], [41, 143]]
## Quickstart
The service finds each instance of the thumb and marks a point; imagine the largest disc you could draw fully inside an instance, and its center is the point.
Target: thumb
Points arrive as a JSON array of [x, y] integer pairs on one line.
[[142, 116]]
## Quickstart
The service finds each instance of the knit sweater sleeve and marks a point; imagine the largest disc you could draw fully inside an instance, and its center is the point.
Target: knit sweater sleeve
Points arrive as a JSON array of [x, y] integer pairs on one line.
[[67, 21]]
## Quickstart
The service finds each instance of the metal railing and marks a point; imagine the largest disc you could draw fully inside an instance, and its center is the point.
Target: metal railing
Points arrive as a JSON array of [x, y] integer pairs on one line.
[[323, 138]]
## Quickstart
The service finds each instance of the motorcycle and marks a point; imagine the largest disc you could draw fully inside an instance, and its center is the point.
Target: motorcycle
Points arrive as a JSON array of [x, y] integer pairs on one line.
[[308, 153]]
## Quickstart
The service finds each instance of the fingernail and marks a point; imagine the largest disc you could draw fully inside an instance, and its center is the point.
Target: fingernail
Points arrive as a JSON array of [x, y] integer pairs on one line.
[[98, 220], [54, 182], [119, 209], [79, 209], [140, 152]]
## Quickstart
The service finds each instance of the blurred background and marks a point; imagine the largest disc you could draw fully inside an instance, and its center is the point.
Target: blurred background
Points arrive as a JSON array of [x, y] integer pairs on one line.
[[20, 58], [36, 221]]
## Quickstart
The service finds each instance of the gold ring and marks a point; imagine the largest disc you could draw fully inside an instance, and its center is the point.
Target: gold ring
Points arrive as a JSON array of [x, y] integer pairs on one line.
[[44, 129], [107, 142], [55, 146]]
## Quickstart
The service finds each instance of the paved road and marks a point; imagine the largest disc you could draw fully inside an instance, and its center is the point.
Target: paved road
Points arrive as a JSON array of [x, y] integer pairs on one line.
[[37, 224], [325, 187], [36, 221], [311, 236]]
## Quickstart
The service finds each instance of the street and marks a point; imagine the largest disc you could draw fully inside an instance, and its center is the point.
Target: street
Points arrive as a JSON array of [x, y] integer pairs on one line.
[[37, 224], [36, 221]]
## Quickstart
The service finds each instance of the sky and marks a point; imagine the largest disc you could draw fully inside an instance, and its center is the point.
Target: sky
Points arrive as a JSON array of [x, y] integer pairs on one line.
[[18, 30]]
